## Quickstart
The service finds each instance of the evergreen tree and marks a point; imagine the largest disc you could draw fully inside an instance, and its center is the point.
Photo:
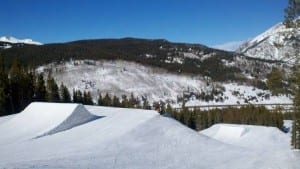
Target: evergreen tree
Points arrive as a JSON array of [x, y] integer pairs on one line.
[[169, 108], [16, 76], [292, 13], [116, 102], [100, 100], [146, 104], [52, 90], [132, 101], [4, 89], [107, 100], [79, 96], [28, 88], [87, 98], [275, 82], [125, 102], [2, 102], [64, 94], [74, 99], [40, 89]]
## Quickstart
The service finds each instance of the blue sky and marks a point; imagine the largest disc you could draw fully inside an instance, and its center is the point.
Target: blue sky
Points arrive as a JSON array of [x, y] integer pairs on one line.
[[208, 22]]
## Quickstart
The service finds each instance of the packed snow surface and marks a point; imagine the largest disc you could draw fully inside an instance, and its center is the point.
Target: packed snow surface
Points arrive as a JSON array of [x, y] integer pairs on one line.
[[132, 138], [10, 39]]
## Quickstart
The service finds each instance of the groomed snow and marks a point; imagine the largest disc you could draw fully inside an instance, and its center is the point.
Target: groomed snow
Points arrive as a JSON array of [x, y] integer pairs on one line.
[[139, 139]]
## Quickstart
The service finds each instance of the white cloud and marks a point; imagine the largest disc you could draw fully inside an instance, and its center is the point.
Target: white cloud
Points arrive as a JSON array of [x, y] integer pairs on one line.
[[229, 46]]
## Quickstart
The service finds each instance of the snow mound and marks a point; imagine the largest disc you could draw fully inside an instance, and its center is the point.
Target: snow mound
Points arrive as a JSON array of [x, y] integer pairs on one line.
[[230, 132], [41, 119], [249, 136]]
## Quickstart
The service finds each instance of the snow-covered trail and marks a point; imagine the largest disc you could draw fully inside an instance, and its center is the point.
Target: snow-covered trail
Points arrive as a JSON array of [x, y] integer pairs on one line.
[[132, 138]]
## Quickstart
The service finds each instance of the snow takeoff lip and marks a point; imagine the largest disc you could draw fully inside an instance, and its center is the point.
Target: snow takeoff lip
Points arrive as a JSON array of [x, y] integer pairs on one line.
[[42, 119]]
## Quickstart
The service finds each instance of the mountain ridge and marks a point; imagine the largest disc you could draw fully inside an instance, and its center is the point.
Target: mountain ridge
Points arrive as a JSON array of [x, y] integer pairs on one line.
[[13, 40], [273, 44]]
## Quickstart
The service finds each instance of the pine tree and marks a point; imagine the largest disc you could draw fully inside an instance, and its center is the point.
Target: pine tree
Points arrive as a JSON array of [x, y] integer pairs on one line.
[[64, 94], [87, 98], [40, 93], [169, 108], [16, 76], [146, 104], [28, 88], [116, 102], [132, 101], [4, 89], [292, 13], [3, 110], [124, 102], [74, 99], [79, 96], [275, 82], [52, 90], [107, 100], [100, 100]]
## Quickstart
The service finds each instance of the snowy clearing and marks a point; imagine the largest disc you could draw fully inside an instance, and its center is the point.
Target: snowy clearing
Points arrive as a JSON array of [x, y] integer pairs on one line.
[[123, 78]]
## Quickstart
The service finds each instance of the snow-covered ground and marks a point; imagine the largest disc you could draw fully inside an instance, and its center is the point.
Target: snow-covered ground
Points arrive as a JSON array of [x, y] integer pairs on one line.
[[132, 138], [121, 77]]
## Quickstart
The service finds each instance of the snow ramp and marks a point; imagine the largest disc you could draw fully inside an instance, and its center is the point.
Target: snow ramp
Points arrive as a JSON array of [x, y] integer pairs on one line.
[[226, 132], [40, 119]]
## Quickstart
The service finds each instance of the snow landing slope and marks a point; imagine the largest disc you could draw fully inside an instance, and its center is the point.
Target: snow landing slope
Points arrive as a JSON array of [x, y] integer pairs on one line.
[[132, 139]]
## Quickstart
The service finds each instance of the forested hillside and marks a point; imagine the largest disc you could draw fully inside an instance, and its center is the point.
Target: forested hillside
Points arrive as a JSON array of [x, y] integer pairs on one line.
[[177, 58]]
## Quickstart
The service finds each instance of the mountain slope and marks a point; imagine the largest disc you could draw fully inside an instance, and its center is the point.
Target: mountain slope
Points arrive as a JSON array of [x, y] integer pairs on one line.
[[7, 42], [274, 44], [125, 78], [180, 58], [131, 138]]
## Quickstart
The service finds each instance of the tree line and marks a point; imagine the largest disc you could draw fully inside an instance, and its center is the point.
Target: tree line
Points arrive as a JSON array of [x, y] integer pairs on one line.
[[250, 115]]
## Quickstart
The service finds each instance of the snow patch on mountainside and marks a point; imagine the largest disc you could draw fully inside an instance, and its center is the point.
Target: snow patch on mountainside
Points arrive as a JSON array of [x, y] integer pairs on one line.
[[274, 44], [123, 78], [13, 40], [229, 46]]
